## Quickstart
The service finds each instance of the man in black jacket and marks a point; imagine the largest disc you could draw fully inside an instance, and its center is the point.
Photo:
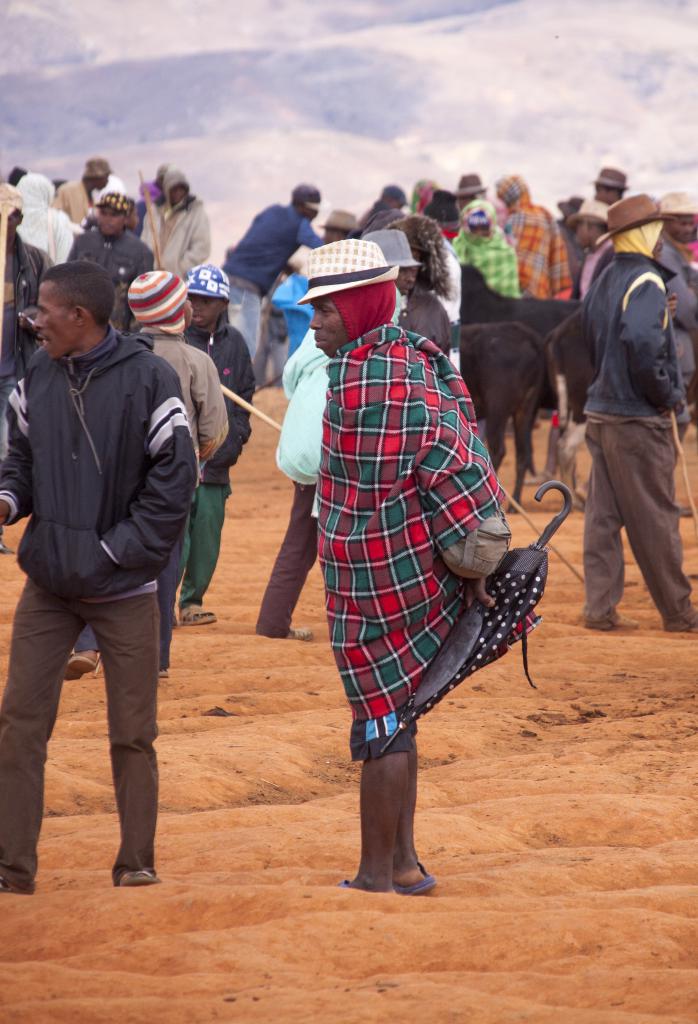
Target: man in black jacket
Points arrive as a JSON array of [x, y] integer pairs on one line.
[[210, 331], [101, 459], [118, 250], [636, 389]]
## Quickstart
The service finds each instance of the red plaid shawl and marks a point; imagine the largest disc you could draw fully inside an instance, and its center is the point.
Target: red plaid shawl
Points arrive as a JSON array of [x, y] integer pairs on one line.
[[403, 474]]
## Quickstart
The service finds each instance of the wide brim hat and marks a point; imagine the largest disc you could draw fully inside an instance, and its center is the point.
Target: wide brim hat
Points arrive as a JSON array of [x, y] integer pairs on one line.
[[611, 177], [631, 213], [350, 263], [470, 185], [591, 209], [341, 220], [394, 246], [678, 204]]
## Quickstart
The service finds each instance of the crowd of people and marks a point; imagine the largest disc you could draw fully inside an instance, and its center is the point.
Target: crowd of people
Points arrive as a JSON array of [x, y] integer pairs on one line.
[[128, 366]]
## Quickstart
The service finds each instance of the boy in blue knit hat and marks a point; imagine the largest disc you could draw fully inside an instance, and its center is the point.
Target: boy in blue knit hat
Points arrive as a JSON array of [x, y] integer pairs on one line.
[[208, 291]]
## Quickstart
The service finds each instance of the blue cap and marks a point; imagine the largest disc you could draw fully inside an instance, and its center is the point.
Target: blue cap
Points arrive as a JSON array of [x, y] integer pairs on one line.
[[206, 279]]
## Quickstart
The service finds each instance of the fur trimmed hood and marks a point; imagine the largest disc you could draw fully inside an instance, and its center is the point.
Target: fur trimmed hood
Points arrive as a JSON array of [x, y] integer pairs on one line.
[[425, 235]]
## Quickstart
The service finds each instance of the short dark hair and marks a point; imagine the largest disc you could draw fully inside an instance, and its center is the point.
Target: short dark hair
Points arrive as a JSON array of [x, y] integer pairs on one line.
[[84, 284]]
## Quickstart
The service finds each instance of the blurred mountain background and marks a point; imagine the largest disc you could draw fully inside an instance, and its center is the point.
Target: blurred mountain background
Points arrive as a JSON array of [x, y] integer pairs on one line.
[[249, 100]]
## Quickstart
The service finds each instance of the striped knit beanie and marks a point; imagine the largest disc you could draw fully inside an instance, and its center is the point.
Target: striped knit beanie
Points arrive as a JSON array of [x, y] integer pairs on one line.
[[157, 300]]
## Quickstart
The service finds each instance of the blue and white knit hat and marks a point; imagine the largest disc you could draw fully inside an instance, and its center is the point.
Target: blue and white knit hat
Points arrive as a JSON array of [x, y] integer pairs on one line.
[[206, 279]]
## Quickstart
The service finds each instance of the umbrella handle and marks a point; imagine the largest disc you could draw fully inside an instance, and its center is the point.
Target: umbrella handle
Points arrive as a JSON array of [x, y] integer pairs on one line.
[[554, 524]]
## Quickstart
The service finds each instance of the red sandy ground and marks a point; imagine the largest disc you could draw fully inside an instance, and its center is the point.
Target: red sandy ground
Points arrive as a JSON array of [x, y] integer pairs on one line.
[[562, 825]]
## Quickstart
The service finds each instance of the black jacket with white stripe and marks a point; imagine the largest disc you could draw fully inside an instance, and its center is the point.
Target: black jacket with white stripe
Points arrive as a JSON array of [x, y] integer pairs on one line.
[[102, 459]]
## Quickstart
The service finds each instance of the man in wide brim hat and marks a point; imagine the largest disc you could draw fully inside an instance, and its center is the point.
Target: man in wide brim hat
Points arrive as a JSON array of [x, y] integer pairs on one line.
[[610, 184], [630, 213], [404, 480], [339, 225], [469, 187], [635, 390]]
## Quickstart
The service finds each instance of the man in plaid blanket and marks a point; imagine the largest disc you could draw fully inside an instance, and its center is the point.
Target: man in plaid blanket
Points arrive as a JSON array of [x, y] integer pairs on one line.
[[410, 525]]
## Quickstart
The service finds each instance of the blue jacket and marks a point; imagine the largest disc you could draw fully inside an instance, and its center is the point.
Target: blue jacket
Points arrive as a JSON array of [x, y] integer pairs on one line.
[[269, 242], [101, 459], [629, 333]]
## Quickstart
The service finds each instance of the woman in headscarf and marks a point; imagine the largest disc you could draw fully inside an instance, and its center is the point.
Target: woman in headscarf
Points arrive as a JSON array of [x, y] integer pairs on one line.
[[540, 249], [422, 195], [481, 244], [42, 226]]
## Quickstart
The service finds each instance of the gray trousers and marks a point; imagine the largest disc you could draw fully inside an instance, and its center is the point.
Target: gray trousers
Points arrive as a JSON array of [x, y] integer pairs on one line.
[[632, 485], [44, 631]]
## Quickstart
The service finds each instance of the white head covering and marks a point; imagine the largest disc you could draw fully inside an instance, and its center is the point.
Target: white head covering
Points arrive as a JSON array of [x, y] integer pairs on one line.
[[56, 237]]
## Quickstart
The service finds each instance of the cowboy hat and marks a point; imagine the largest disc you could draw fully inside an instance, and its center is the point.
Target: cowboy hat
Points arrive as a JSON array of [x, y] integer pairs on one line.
[[678, 204], [351, 263], [341, 220], [631, 213], [591, 209], [470, 185], [612, 178]]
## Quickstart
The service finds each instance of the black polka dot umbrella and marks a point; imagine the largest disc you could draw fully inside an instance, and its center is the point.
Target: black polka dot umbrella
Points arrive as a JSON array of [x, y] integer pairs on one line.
[[482, 635]]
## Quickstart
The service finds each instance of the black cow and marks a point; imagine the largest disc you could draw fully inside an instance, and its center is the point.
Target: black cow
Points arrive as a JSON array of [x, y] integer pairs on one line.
[[504, 367], [480, 305]]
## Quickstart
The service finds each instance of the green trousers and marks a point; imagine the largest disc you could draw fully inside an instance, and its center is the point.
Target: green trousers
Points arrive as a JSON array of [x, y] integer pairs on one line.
[[202, 542]]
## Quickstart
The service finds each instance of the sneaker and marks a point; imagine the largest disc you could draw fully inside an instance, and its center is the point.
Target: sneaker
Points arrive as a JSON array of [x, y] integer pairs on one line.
[[82, 662], [132, 879], [614, 621]]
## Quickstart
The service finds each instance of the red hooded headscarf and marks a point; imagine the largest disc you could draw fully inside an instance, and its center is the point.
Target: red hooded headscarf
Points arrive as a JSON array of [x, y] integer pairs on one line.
[[365, 308]]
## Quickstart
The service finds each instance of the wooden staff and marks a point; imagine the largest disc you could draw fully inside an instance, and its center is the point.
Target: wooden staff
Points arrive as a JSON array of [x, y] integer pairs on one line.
[[684, 466], [250, 408], [277, 426], [151, 220], [6, 209], [535, 529]]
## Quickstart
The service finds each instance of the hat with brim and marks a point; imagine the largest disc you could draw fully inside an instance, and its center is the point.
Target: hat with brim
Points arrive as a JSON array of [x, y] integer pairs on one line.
[[631, 213], [591, 209], [678, 204], [612, 178], [341, 220], [350, 263], [394, 246], [470, 185]]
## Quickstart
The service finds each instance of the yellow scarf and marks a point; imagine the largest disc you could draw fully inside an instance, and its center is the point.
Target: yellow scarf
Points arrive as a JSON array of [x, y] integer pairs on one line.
[[640, 240]]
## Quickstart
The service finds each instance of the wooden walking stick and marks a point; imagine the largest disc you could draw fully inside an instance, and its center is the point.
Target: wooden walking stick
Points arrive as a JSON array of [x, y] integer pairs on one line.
[[533, 526], [684, 466], [150, 213], [250, 408]]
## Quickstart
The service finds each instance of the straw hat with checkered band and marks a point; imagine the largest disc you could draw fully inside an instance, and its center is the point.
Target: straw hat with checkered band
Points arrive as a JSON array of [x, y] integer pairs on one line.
[[351, 263]]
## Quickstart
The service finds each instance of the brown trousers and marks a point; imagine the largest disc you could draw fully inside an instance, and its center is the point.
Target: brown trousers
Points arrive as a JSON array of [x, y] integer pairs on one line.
[[294, 561], [632, 485], [44, 631]]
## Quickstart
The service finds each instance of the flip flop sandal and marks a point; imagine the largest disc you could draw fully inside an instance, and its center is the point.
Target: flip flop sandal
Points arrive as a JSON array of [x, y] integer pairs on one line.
[[189, 618], [419, 888], [306, 635]]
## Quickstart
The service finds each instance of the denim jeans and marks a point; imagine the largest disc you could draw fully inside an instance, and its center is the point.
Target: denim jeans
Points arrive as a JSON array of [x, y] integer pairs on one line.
[[244, 309]]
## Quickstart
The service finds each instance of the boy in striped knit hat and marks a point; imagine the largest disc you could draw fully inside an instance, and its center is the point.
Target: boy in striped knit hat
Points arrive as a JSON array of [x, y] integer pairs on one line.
[[158, 301]]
